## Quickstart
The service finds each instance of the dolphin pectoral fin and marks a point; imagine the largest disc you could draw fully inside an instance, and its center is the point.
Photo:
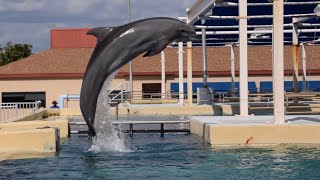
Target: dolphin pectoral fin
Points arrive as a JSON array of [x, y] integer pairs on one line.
[[100, 32], [157, 48]]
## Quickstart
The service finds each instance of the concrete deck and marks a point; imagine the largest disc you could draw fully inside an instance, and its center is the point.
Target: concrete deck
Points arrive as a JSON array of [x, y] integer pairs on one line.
[[256, 130]]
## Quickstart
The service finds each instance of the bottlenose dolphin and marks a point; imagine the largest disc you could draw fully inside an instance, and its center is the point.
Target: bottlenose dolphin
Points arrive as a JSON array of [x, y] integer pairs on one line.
[[117, 46]]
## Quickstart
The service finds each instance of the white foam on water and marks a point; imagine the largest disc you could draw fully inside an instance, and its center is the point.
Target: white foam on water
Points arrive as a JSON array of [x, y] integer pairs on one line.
[[109, 137]]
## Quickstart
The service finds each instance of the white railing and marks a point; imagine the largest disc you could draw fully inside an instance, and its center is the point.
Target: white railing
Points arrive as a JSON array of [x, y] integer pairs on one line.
[[123, 90], [123, 87], [13, 110]]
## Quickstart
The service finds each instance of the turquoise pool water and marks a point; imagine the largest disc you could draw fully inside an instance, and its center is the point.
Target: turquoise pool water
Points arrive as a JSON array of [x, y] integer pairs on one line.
[[176, 156]]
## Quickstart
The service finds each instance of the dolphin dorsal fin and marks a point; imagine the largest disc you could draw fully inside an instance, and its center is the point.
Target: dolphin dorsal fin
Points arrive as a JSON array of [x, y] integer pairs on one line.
[[100, 32]]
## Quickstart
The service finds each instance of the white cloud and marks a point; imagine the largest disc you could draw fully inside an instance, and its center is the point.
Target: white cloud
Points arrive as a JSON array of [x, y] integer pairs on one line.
[[80, 6], [29, 33], [29, 21], [21, 5]]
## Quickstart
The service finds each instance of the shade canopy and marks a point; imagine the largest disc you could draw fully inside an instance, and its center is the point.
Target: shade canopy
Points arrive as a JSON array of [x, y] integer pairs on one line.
[[221, 21]]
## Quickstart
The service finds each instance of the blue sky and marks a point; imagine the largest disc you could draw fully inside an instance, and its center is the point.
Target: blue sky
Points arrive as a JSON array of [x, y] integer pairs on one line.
[[29, 21]]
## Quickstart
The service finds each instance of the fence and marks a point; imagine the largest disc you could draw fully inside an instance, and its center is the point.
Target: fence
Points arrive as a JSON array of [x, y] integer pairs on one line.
[[13, 110]]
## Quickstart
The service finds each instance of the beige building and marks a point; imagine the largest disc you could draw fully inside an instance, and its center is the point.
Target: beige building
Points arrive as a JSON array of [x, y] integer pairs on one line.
[[57, 72]]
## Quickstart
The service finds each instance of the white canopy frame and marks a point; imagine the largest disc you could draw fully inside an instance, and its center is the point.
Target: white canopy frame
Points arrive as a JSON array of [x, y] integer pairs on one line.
[[201, 10]]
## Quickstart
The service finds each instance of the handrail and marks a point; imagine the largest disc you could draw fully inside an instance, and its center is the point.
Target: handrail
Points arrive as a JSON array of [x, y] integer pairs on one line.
[[219, 96], [19, 105], [120, 93], [117, 95], [121, 84]]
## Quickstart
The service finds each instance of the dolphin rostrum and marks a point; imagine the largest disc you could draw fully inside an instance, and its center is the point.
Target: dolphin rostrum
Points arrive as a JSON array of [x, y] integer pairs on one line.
[[117, 46]]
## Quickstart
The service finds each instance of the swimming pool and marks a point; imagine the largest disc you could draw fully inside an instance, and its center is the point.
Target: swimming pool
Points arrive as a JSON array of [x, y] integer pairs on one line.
[[176, 156]]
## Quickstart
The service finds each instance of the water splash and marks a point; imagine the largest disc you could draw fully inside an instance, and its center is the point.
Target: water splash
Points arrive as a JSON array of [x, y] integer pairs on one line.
[[109, 137]]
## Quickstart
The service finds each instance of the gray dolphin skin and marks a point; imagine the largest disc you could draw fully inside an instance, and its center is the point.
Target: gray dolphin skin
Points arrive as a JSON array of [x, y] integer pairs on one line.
[[117, 46]]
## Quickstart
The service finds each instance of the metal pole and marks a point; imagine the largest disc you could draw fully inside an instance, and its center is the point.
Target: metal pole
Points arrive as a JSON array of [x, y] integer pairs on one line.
[[278, 65], [130, 63], [295, 43], [163, 75], [162, 130], [117, 111], [204, 57], [243, 41], [129, 10], [121, 96], [189, 72], [233, 87], [304, 67], [131, 130], [181, 96]]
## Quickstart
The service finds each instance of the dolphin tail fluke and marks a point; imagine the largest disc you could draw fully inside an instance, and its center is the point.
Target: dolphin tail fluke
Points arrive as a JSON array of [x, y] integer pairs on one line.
[[158, 47]]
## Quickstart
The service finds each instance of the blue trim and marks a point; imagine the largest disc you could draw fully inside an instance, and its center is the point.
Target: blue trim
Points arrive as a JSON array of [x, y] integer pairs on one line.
[[266, 86], [215, 86]]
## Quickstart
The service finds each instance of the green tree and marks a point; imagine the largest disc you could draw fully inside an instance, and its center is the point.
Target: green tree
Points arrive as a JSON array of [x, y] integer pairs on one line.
[[13, 52]]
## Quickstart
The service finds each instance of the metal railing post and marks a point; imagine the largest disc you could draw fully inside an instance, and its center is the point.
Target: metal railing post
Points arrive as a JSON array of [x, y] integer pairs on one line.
[[121, 96], [16, 109], [117, 111]]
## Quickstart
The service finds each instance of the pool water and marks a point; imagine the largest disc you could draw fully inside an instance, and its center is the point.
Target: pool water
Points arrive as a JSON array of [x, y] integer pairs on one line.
[[176, 156]]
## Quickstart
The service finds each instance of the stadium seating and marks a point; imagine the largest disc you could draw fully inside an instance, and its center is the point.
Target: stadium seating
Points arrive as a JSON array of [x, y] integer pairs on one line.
[[221, 87], [266, 86]]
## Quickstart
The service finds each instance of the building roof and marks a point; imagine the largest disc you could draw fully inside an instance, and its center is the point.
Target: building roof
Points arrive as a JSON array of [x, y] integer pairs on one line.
[[71, 38], [71, 50], [71, 62]]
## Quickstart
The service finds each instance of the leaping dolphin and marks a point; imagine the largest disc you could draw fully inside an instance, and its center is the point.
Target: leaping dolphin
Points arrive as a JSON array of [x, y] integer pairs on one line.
[[117, 46]]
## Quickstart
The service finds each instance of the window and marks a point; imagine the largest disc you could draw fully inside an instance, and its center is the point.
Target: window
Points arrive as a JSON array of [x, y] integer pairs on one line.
[[151, 90]]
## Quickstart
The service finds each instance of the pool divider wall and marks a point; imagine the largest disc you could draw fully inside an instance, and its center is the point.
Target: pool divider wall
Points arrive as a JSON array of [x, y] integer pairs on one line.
[[197, 128], [63, 126], [143, 110], [263, 134], [253, 134], [27, 134], [44, 140]]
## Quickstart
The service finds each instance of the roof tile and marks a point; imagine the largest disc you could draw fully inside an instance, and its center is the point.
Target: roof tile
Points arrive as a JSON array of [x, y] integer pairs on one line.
[[74, 60]]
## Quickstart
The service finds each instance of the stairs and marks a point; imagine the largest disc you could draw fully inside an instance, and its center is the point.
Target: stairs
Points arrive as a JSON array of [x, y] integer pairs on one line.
[[118, 93]]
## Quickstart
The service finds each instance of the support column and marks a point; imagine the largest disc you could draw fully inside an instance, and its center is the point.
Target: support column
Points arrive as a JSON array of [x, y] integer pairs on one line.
[[295, 43], [304, 67], [277, 57], [163, 75], [189, 72], [243, 39], [181, 96], [204, 57], [130, 63], [233, 86]]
